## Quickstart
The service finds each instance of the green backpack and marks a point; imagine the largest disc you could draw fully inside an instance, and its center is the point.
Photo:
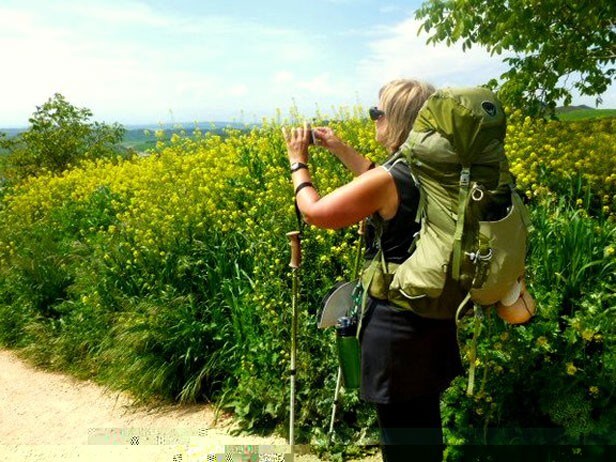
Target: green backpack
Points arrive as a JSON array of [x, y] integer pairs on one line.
[[472, 242]]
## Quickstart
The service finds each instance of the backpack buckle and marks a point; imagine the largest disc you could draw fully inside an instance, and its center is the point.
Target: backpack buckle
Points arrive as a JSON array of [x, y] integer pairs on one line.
[[485, 257], [465, 176], [478, 256]]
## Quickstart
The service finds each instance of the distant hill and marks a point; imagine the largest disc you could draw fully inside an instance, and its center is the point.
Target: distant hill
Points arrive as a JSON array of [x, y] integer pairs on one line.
[[175, 127], [11, 132], [563, 109], [571, 113], [141, 136]]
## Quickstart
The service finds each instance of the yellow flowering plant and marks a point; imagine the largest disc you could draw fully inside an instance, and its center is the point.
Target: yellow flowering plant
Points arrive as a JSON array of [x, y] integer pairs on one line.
[[168, 275]]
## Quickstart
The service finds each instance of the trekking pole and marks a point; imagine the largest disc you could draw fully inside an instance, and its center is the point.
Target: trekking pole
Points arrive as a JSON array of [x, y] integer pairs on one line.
[[335, 403], [360, 242], [296, 259]]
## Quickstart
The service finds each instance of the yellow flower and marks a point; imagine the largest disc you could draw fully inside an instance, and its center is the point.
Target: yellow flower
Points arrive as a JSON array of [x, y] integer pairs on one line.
[[594, 390], [571, 369], [588, 334]]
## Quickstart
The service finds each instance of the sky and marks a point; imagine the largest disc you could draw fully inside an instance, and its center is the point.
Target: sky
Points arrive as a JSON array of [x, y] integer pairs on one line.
[[154, 61]]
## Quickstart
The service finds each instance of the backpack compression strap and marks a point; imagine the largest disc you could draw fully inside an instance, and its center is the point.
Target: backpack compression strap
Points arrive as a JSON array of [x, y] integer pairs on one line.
[[465, 177]]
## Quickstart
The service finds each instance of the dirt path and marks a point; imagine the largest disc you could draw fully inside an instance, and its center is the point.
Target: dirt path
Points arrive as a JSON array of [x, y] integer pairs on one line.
[[46, 416]]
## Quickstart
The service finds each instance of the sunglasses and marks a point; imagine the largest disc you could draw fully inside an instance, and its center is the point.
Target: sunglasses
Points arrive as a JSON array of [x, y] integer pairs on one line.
[[375, 113]]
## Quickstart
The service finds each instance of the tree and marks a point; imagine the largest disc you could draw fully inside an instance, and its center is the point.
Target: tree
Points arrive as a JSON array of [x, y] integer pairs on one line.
[[59, 135], [553, 46]]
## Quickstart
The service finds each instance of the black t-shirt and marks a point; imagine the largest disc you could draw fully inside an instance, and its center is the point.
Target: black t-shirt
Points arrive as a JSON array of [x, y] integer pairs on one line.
[[399, 231]]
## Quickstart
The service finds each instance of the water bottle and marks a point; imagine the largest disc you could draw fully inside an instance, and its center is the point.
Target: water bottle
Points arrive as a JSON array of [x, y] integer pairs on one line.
[[348, 351]]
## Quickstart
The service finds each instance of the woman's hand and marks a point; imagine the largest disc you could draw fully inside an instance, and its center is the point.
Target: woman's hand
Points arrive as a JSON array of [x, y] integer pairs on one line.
[[351, 159], [297, 140], [326, 138]]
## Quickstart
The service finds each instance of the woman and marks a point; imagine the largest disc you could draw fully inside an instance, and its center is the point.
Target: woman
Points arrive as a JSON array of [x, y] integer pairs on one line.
[[407, 360]]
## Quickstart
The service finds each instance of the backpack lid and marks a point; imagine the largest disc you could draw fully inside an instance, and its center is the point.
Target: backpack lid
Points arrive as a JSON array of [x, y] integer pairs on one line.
[[469, 118]]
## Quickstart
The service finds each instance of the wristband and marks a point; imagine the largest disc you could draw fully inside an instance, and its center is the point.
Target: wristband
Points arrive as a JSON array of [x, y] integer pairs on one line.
[[303, 185]]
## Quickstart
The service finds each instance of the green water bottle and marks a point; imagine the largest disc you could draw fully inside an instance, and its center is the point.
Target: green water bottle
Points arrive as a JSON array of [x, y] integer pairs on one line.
[[348, 351]]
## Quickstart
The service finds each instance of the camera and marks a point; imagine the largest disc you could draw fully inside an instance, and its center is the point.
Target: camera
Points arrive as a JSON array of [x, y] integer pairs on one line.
[[312, 139]]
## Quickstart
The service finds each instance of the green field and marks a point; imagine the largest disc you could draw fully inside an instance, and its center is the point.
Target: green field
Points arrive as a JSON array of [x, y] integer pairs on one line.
[[586, 113]]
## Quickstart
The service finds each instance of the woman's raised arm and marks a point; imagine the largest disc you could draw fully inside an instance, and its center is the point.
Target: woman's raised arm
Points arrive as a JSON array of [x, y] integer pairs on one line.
[[372, 192]]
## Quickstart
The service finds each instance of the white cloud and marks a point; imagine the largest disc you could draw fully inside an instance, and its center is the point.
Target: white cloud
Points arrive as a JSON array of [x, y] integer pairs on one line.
[[389, 9], [321, 84], [238, 90], [399, 52], [131, 62], [282, 77], [127, 12]]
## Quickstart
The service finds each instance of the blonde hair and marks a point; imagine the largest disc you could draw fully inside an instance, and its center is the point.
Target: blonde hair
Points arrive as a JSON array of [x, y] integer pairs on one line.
[[401, 101]]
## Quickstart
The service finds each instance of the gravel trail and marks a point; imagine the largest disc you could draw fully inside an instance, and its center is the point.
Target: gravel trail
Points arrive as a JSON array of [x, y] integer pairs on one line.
[[47, 416]]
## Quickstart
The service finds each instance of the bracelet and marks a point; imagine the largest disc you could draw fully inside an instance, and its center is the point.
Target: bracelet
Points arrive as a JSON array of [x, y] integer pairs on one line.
[[303, 185]]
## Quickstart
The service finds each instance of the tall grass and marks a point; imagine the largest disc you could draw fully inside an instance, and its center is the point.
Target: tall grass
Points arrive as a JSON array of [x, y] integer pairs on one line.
[[568, 252]]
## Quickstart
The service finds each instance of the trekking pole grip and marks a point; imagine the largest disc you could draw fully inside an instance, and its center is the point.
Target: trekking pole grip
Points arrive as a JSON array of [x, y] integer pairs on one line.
[[296, 252], [362, 228]]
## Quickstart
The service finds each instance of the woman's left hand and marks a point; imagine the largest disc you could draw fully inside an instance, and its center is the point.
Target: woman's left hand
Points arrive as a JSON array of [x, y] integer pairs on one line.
[[297, 140]]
